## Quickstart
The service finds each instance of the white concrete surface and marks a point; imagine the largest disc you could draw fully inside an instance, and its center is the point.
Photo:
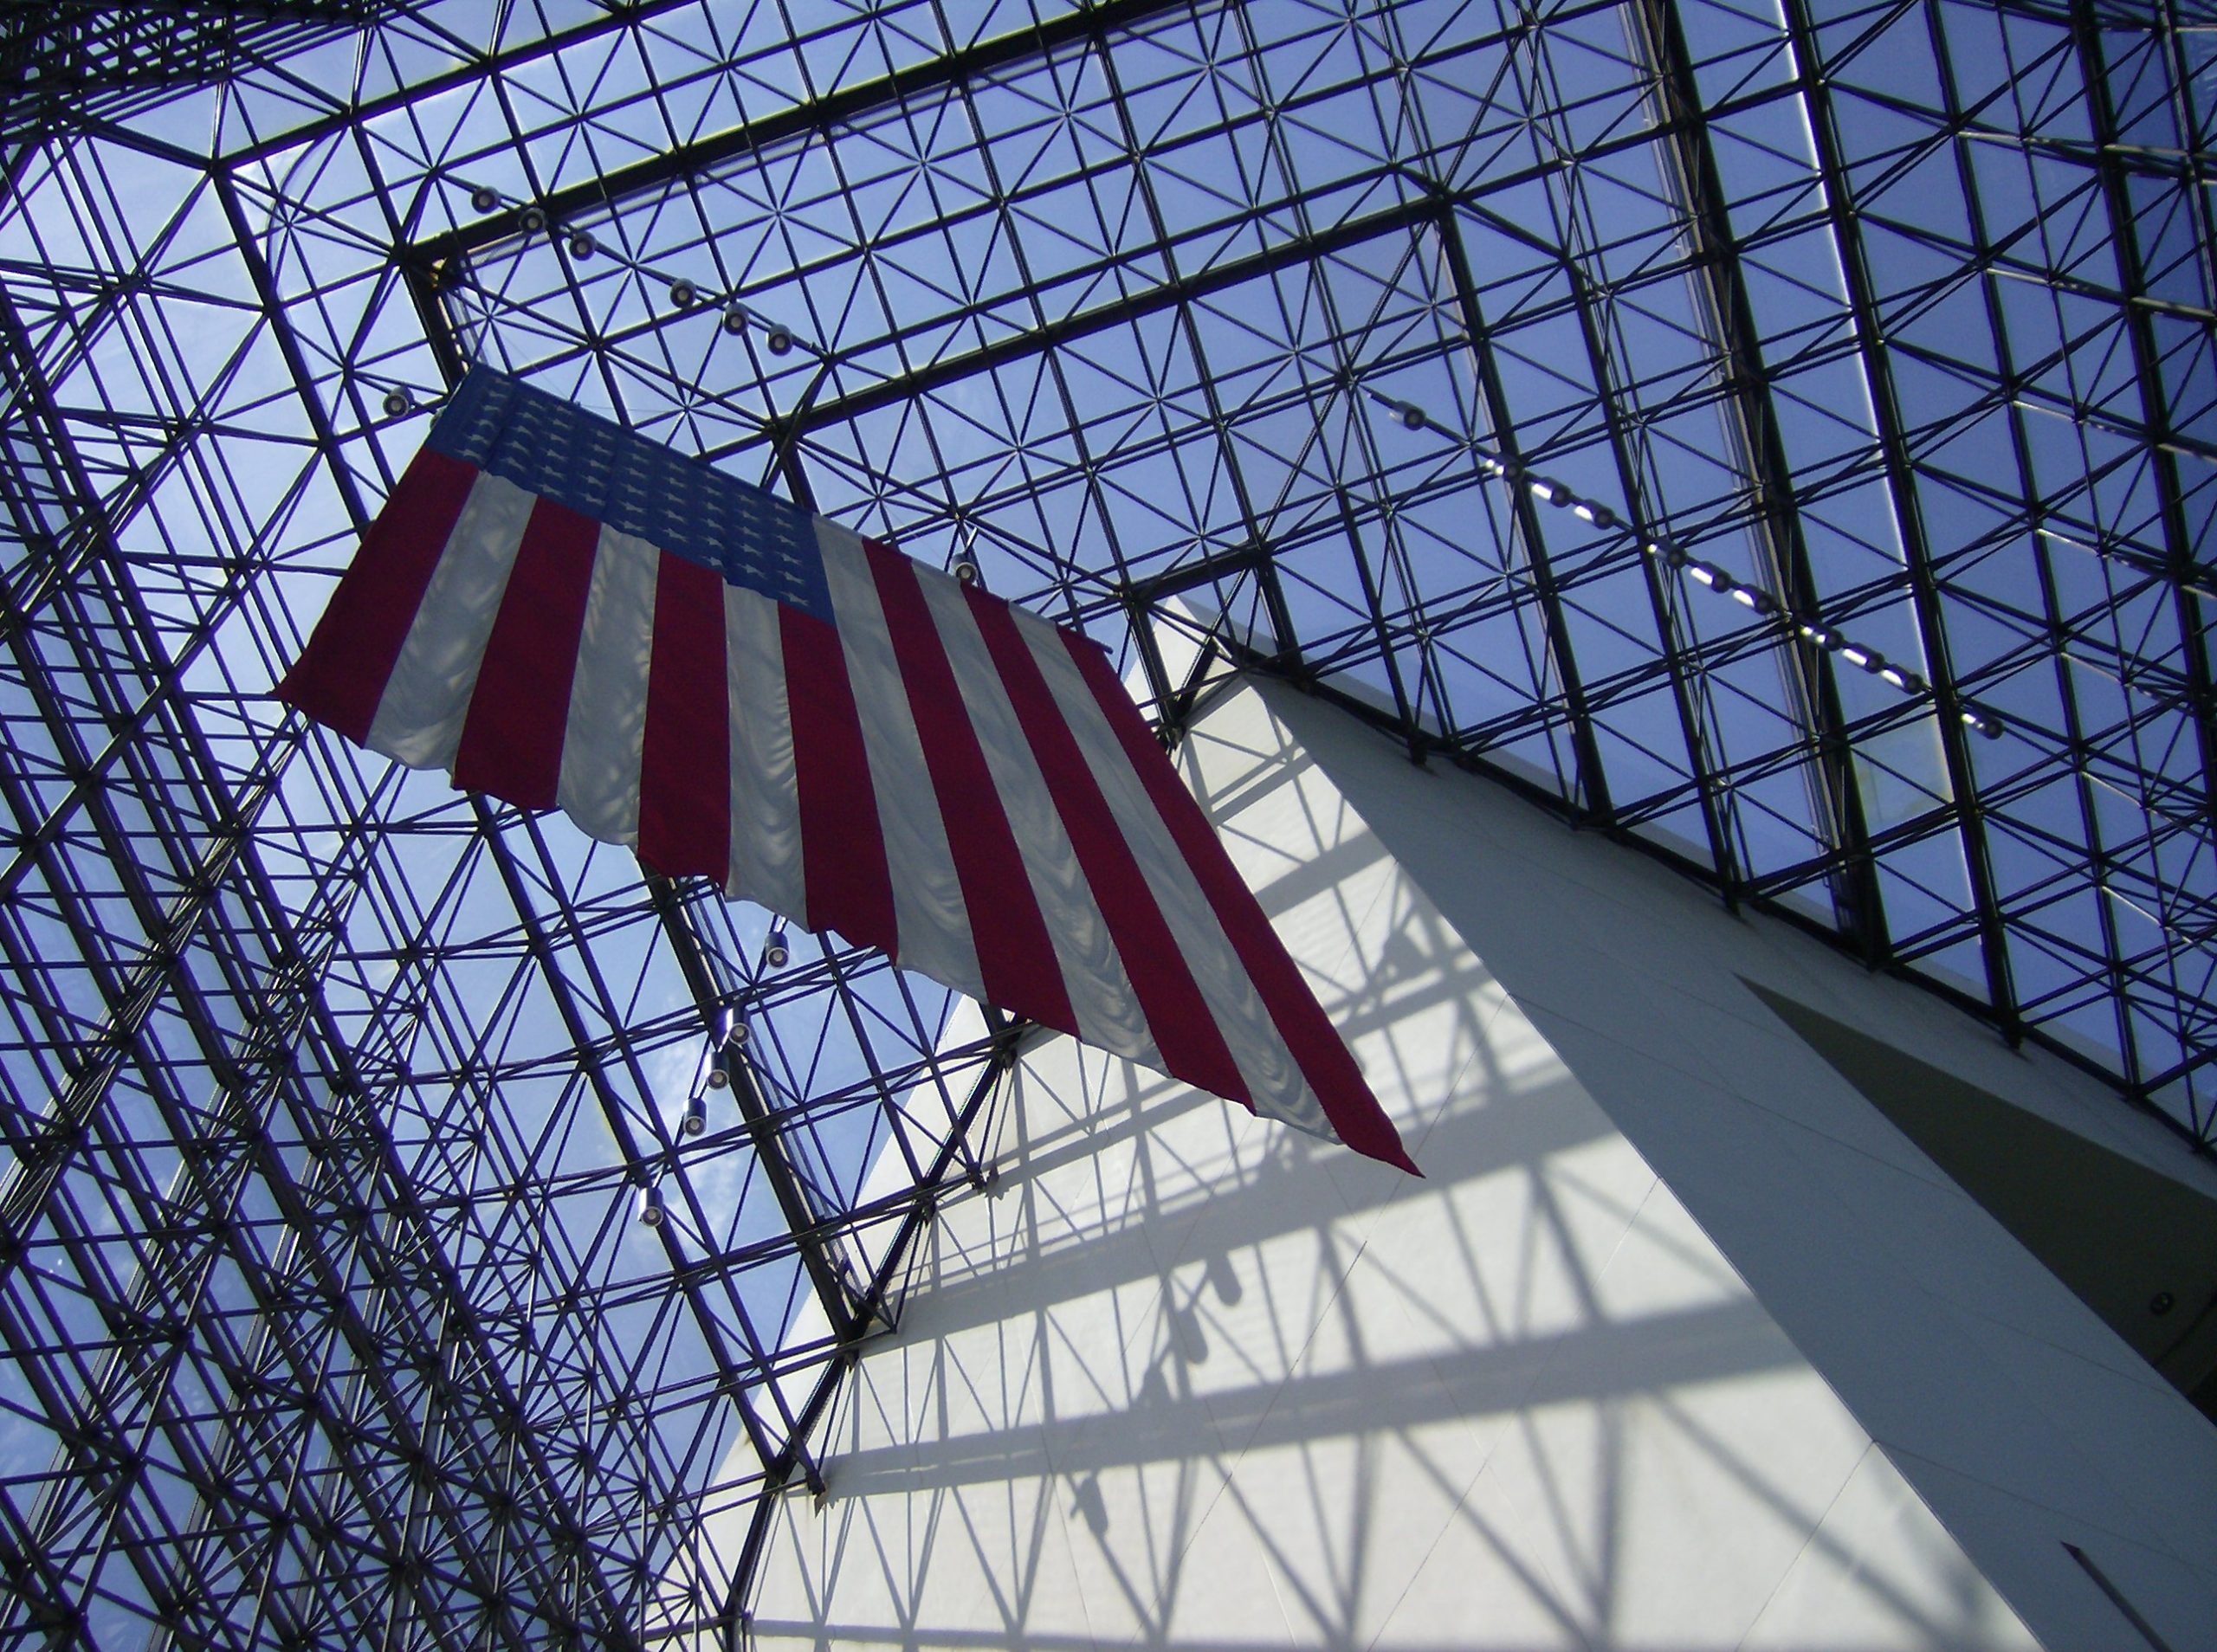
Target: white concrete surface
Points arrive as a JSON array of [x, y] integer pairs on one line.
[[1681, 1344]]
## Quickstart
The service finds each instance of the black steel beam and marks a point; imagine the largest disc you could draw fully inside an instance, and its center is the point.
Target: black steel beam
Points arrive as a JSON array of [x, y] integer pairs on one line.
[[843, 106], [1900, 472], [1749, 414]]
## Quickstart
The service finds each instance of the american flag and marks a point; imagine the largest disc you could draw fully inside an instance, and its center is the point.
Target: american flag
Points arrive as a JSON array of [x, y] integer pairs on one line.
[[565, 615]]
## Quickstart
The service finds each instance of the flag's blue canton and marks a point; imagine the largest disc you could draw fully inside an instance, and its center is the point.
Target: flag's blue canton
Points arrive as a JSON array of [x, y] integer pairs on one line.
[[547, 446]]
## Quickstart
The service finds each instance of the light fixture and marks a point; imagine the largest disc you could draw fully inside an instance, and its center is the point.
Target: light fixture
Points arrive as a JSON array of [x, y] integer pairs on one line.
[[582, 245], [1411, 414], [651, 1211], [397, 400], [533, 221], [484, 198], [734, 317], [966, 571], [682, 293], [775, 951], [697, 1116], [779, 339], [718, 1079]]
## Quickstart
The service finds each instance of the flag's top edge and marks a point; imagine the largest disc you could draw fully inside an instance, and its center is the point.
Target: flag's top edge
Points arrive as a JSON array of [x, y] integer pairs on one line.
[[625, 481], [629, 482]]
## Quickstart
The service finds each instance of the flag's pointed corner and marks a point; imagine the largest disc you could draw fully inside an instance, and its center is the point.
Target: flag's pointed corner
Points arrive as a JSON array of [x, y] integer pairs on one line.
[[1375, 1138]]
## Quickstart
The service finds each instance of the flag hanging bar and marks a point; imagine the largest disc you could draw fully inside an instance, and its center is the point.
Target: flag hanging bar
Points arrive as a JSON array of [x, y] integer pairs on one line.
[[563, 615]]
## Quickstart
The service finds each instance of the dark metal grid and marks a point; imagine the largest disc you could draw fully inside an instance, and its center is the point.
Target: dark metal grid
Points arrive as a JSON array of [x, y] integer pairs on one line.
[[328, 1093]]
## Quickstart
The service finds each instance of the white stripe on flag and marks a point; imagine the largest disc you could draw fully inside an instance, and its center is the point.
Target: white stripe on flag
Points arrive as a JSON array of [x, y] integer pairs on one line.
[[1108, 1012], [607, 728], [766, 844], [928, 905], [420, 718], [1274, 1077]]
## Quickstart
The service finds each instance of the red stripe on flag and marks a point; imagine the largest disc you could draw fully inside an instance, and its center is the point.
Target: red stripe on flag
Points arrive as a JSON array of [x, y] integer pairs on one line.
[[1330, 1070], [512, 740], [685, 757], [1184, 1027], [1016, 955], [841, 843], [341, 676]]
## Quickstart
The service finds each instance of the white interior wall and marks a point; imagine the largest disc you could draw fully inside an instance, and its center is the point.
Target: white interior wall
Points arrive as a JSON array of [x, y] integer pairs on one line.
[[1680, 1343]]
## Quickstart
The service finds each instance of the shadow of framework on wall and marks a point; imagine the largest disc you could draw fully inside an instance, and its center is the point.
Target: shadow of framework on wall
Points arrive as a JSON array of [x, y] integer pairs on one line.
[[1166, 1318]]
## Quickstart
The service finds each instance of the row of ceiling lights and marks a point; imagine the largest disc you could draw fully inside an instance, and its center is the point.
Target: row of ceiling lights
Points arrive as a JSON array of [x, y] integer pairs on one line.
[[1706, 574], [683, 294], [725, 1045]]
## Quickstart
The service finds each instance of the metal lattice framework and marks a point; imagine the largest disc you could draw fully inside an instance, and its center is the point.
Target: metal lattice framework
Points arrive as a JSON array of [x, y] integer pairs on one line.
[[1778, 435]]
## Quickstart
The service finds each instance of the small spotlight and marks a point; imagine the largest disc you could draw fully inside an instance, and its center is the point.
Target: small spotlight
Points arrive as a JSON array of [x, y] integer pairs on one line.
[[484, 198], [966, 571], [533, 221], [1411, 415], [775, 953], [780, 339], [697, 1116], [718, 1079], [397, 400], [582, 245], [650, 1212], [682, 293], [734, 317]]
